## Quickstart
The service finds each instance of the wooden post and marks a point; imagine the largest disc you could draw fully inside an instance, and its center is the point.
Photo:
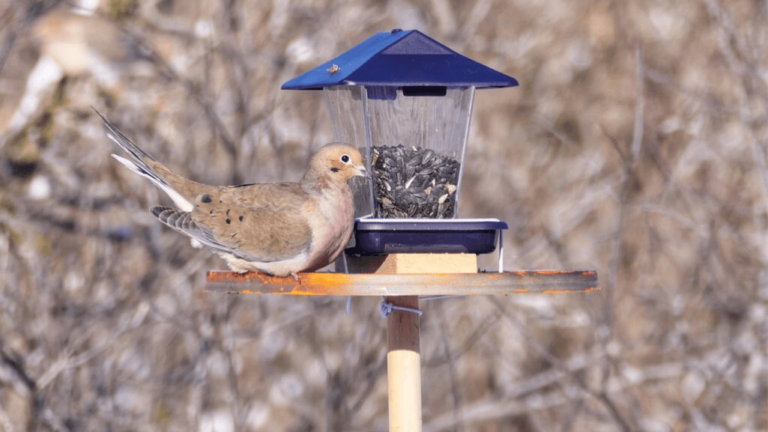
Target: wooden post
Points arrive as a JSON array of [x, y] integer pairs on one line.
[[403, 352], [404, 366]]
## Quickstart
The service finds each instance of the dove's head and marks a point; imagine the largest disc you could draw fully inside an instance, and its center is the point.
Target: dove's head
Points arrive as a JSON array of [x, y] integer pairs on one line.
[[336, 162]]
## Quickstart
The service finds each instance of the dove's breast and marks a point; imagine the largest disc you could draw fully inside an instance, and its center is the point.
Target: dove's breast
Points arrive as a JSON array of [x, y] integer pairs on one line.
[[331, 225]]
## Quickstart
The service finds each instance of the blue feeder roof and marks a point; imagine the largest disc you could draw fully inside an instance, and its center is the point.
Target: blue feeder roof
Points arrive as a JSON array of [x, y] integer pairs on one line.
[[400, 58]]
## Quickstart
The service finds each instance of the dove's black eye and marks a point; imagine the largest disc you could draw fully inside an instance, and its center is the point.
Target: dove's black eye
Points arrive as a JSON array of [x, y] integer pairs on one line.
[[345, 158]]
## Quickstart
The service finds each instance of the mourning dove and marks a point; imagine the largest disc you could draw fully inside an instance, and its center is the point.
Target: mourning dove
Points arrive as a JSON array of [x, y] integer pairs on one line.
[[276, 228]]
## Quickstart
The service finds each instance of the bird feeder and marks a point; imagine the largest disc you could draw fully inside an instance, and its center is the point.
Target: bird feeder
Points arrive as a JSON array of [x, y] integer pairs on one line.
[[406, 100]]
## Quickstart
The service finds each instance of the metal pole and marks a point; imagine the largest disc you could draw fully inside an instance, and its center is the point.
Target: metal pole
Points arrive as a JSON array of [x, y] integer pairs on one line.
[[404, 366]]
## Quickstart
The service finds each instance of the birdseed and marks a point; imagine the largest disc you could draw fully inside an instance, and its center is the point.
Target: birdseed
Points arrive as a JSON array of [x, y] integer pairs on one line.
[[411, 182]]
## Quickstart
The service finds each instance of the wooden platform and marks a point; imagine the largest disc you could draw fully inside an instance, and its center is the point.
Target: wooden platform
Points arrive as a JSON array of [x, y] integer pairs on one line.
[[342, 284]]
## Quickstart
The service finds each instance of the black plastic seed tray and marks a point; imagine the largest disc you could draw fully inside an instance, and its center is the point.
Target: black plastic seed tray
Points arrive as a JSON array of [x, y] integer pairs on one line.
[[386, 236]]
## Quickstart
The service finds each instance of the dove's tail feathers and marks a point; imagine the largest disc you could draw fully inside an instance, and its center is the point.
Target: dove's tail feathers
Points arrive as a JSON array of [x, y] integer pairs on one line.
[[140, 166], [182, 222], [177, 198]]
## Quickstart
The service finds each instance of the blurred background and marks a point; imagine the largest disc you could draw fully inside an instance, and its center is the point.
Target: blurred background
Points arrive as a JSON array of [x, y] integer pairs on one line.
[[635, 145]]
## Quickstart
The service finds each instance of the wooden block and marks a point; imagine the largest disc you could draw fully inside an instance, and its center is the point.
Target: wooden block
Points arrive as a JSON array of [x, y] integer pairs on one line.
[[413, 263]]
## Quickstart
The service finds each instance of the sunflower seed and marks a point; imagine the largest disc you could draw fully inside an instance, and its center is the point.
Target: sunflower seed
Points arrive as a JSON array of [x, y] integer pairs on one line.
[[428, 155]]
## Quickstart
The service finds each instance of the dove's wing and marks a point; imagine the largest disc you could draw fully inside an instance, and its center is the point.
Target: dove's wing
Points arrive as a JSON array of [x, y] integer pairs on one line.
[[182, 222], [260, 223]]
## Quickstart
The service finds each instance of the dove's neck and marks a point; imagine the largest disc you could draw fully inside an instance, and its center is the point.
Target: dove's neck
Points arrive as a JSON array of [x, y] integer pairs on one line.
[[317, 184]]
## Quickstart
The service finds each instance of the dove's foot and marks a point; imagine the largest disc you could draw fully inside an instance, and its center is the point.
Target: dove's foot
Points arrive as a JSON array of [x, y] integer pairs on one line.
[[295, 276]]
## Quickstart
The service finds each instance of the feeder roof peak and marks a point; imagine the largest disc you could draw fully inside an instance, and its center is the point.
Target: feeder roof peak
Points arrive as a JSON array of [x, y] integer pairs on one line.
[[400, 58]]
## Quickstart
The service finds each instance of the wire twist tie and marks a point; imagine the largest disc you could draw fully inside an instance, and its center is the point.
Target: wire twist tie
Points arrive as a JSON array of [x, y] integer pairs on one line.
[[387, 308]]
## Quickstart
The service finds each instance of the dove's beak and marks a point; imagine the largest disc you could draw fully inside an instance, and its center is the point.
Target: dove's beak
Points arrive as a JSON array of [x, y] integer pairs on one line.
[[361, 171]]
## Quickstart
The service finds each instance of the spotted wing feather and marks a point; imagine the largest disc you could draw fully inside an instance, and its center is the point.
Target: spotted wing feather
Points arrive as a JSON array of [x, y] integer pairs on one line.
[[182, 222]]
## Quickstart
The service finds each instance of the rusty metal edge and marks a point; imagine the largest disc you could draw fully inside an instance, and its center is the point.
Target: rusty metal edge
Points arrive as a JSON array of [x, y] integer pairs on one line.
[[342, 284]]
